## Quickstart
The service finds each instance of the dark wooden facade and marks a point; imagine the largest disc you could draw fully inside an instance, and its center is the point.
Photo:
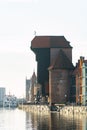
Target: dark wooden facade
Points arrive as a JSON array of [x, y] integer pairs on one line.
[[54, 66]]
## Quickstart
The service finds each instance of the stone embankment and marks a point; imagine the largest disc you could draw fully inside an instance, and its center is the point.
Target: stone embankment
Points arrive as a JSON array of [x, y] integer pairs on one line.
[[35, 108], [61, 110], [74, 110]]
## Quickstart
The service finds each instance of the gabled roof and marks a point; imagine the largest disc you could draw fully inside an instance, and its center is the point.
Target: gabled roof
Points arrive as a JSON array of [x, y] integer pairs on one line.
[[61, 62], [79, 65], [50, 42]]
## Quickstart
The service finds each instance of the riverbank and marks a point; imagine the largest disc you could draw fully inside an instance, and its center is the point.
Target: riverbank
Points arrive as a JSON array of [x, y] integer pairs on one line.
[[35, 108], [61, 110], [74, 110]]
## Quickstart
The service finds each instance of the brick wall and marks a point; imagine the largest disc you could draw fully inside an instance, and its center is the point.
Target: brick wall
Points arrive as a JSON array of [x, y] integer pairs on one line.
[[59, 86]]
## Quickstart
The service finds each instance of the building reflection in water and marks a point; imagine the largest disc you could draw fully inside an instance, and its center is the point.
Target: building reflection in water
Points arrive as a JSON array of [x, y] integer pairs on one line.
[[55, 121], [37, 121]]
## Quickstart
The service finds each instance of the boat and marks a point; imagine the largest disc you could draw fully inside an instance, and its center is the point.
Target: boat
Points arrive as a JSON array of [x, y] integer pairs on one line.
[[10, 101]]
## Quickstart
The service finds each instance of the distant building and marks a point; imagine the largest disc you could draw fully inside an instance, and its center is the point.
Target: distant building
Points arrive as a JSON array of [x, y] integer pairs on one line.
[[33, 81], [37, 92], [30, 83], [27, 89], [2, 95]]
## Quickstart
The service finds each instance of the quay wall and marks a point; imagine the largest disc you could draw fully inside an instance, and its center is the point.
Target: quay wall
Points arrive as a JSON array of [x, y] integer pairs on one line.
[[35, 108], [61, 110], [74, 110]]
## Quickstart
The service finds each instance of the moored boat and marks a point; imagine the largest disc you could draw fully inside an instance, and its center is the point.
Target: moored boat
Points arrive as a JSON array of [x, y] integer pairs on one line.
[[10, 101]]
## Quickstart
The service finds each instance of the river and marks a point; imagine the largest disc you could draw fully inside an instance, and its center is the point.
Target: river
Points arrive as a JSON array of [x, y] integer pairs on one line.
[[15, 119]]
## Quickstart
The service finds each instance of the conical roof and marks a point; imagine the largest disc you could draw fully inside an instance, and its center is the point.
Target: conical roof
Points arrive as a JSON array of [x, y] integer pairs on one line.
[[61, 62]]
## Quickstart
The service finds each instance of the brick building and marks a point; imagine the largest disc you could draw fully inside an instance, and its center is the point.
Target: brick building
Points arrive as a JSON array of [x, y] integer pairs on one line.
[[54, 67], [81, 81]]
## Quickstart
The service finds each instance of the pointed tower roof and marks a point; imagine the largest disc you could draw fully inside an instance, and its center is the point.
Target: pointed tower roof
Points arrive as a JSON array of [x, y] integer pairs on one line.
[[61, 62]]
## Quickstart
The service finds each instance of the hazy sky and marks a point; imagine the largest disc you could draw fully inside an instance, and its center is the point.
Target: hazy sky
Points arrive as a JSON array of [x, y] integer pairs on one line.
[[18, 21]]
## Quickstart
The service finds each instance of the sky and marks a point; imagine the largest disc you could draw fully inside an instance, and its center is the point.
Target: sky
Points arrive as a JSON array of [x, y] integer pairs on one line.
[[19, 19]]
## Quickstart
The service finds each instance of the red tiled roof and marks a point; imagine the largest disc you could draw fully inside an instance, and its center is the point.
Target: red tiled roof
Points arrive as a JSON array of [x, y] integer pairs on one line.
[[61, 62], [49, 42]]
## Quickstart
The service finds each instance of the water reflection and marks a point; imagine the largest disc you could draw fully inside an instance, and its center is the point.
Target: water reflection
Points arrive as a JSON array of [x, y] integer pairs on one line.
[[37, 121], [55, 121], [21, 120], [12, 119]]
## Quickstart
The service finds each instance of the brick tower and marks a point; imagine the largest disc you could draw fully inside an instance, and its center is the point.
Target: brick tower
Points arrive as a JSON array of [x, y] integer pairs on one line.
[[54, 66]]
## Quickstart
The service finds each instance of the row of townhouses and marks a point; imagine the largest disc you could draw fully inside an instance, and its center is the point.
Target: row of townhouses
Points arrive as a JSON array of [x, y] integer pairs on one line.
[[81, 81]]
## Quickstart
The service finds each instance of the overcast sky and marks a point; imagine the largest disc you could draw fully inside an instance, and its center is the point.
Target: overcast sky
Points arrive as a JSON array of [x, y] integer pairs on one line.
[[18, 21]]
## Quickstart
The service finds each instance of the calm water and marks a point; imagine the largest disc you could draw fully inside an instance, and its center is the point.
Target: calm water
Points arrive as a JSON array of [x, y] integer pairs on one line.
[[20, 120]]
